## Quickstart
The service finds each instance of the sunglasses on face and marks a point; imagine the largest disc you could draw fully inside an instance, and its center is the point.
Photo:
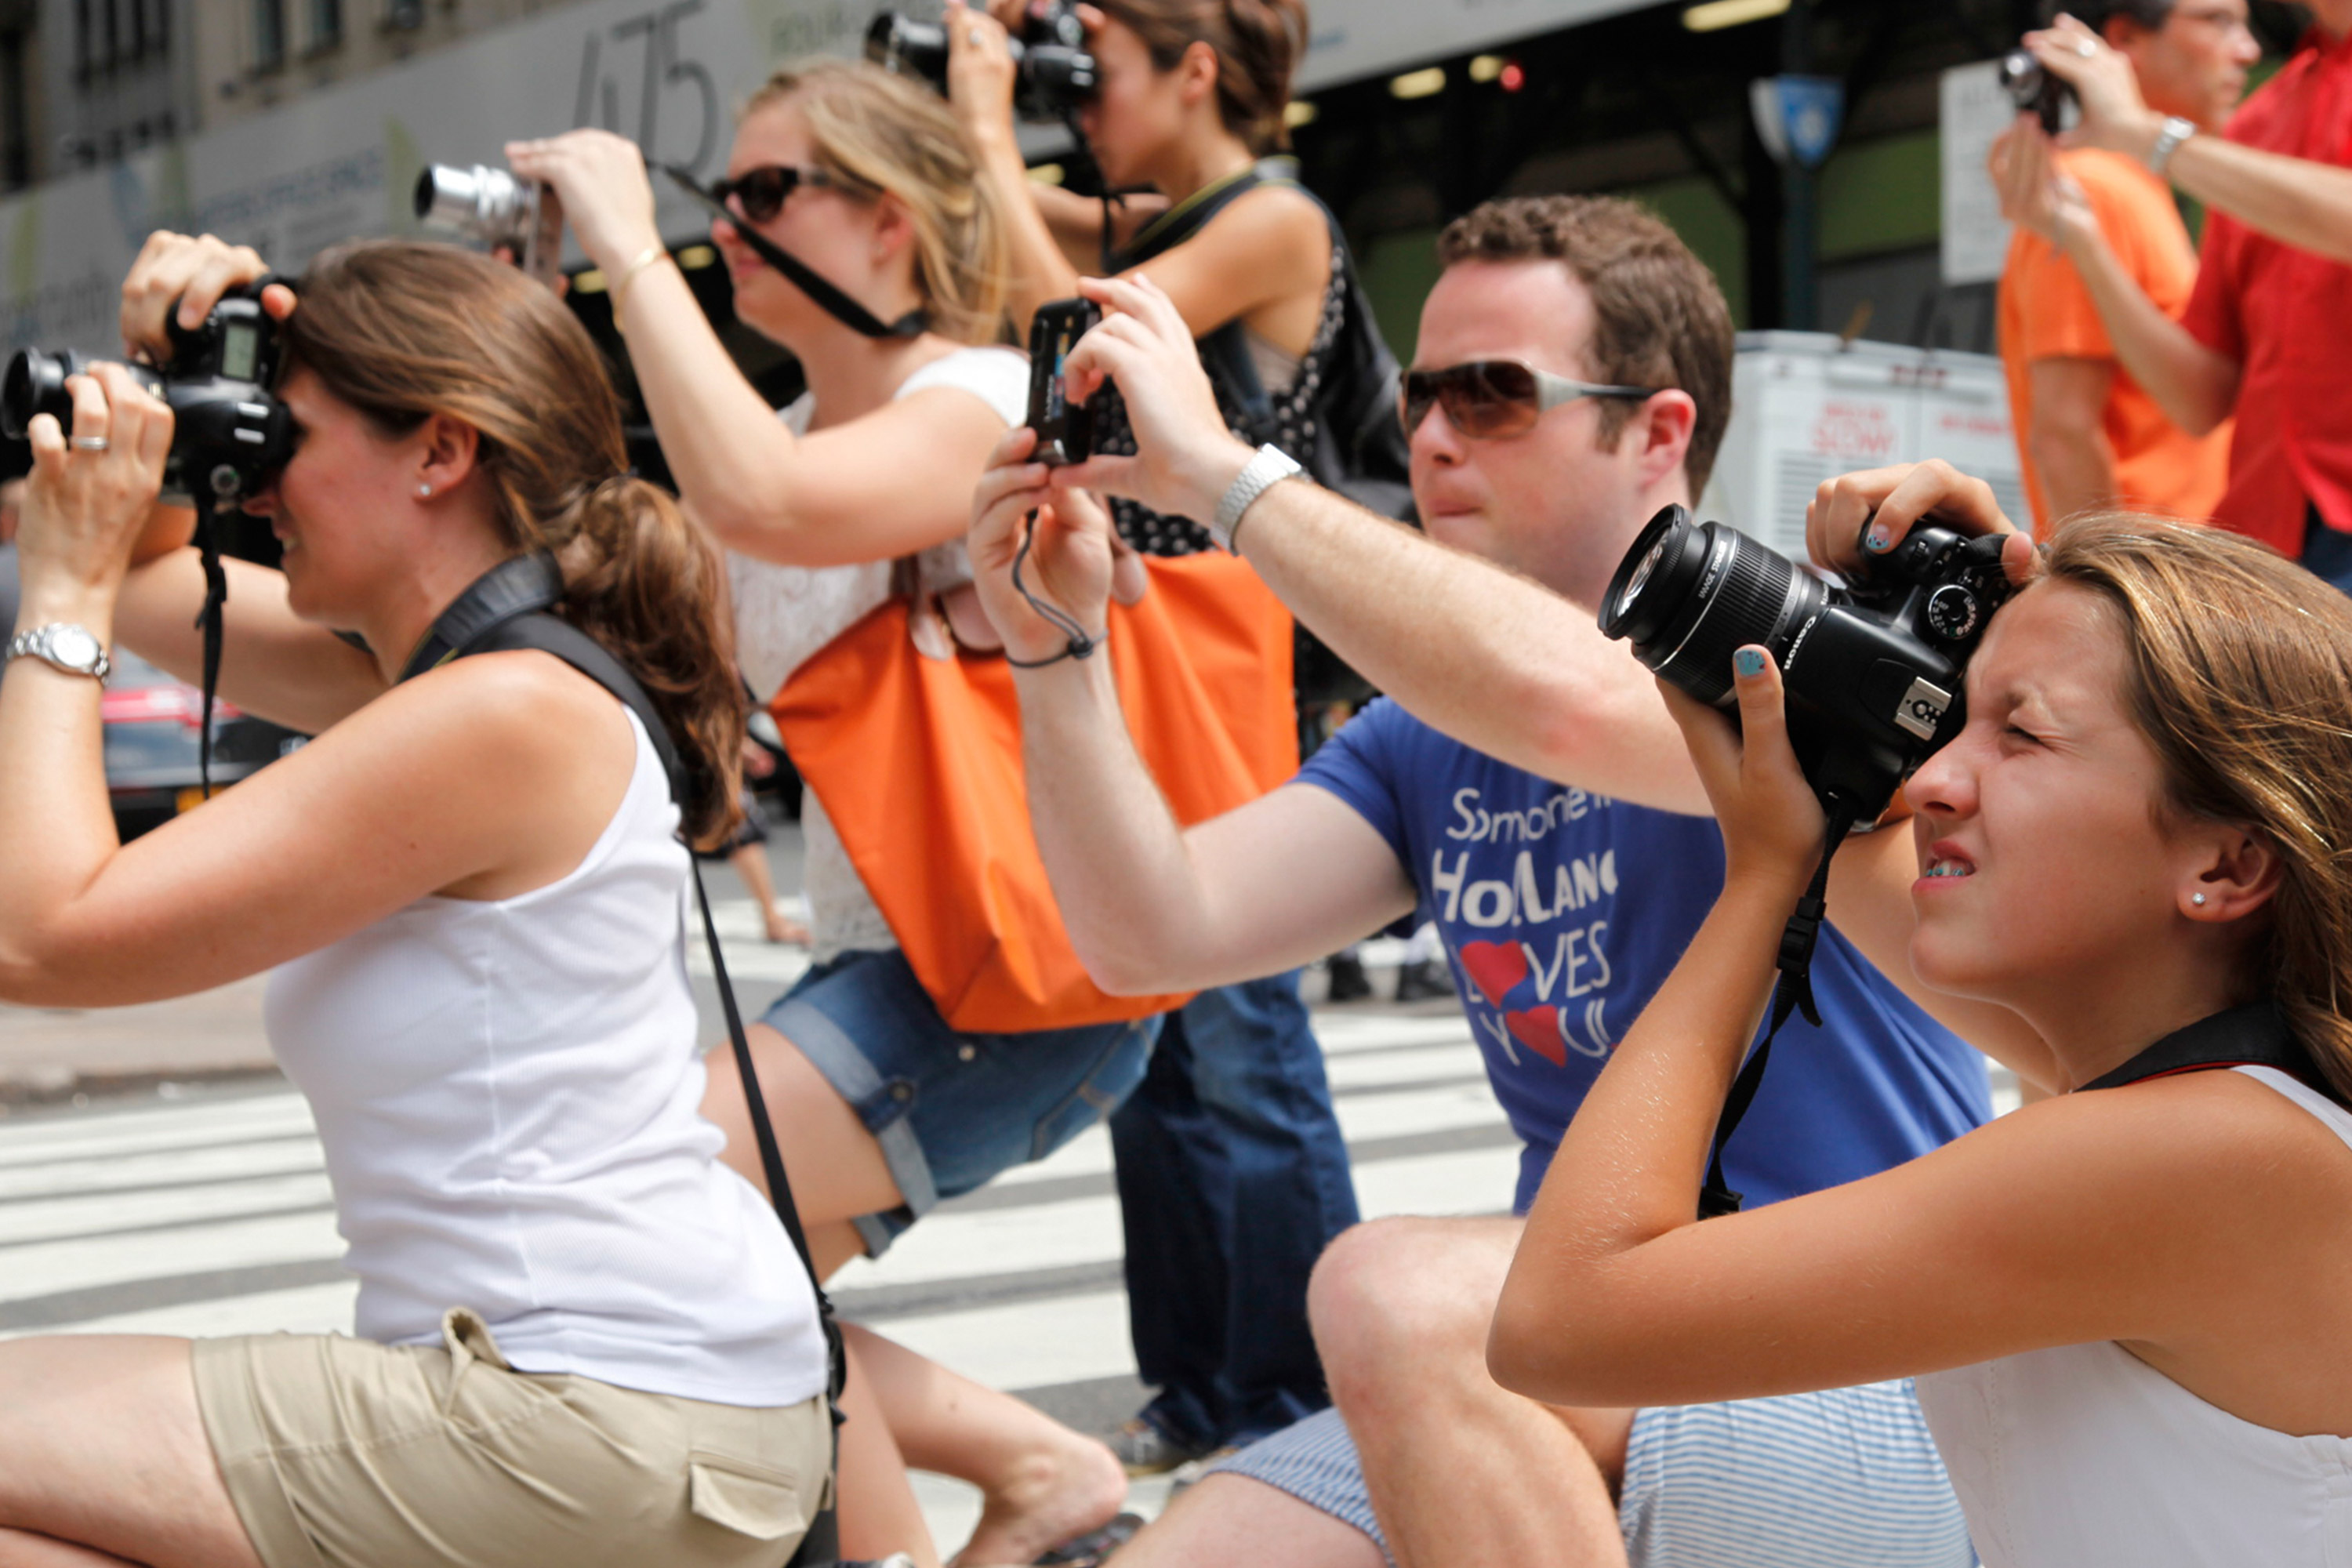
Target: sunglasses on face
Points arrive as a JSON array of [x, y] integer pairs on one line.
[[762, 190], [1495, 397]]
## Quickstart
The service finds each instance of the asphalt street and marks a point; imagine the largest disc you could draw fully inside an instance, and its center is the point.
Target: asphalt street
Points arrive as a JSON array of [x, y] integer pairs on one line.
[[184, 1194]]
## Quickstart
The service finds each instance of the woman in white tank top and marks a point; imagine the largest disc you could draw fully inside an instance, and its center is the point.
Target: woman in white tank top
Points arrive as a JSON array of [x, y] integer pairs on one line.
[[2129, 1309], [584, 1338], [862, 177]]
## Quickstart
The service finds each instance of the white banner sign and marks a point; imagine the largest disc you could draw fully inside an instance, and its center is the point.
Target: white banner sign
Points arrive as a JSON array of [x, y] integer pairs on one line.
[[1975, 110]]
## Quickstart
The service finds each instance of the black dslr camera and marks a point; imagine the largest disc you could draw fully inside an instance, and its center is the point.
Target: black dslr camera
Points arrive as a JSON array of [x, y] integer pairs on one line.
[[1066, 430], [1054, 72], [2034, 91], [1873, 670], [229, 435]]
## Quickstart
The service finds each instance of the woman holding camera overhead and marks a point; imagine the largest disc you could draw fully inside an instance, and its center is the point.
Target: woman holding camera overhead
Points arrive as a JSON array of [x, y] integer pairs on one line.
[[2126, 1306], [1191, 107], [583, 1340], [884, 1107]]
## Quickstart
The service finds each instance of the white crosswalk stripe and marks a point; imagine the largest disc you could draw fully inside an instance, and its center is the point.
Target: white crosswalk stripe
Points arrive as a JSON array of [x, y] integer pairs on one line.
[[212, 1215]]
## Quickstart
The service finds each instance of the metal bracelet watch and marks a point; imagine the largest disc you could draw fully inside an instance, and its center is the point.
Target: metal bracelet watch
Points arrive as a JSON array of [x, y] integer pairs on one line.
[[72, 648], [2168, 141], [1267, 468]]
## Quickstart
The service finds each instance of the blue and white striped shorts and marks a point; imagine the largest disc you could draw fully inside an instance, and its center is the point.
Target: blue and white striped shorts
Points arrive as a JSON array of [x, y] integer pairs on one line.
[[1843, 1478]]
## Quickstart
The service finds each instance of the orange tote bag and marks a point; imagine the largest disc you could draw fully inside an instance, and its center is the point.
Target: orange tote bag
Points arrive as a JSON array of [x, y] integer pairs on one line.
[[917, 764]]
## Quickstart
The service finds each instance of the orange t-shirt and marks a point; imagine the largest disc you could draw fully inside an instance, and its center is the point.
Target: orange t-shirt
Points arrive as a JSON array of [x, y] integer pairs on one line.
[[2046, 313]]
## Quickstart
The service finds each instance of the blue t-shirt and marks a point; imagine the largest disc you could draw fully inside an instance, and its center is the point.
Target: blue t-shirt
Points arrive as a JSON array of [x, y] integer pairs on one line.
[[1562, 911]]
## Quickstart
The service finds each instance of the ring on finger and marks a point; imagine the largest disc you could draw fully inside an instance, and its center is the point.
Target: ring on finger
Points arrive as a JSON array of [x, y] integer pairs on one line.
[[90, 443], [2084, 48], [975, 37]]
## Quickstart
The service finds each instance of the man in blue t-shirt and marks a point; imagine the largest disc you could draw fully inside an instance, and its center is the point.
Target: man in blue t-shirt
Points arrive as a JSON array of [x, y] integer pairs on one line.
[[1552, 831]]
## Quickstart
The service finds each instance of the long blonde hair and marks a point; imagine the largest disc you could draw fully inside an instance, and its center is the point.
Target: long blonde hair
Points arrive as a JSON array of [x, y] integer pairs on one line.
[[2241, 677], [881, 133]]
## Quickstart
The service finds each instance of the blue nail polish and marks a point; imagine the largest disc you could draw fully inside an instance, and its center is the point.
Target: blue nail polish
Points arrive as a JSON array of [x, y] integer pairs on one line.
[[1877, 539], [1749, 661]]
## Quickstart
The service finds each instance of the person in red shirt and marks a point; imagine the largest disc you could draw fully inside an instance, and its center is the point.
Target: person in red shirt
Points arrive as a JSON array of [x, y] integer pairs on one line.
[[2089, 435], [2263, 336]]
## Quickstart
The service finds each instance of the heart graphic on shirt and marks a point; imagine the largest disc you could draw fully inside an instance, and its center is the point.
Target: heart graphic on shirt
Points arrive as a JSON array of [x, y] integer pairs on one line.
[[1494, 967], [1538, 1028]]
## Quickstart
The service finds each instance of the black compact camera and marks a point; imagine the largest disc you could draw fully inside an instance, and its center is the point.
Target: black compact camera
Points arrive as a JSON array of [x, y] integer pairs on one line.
[[1054, 72], [229, 434], [1066, 430], [1872, 670], [2034, 91]]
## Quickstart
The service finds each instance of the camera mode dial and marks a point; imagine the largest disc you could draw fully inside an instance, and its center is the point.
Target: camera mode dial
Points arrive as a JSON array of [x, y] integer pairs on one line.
[[1954, 613]]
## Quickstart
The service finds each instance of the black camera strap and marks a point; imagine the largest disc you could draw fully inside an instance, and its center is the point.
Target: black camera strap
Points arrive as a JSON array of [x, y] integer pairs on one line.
[[2254, 1034], [1794, 993], [208, 621], [507, 609], [829, 296]]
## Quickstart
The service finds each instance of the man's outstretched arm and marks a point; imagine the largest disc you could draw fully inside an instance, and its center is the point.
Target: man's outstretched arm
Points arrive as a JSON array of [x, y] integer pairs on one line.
[[1284, 879], [1499, 663]]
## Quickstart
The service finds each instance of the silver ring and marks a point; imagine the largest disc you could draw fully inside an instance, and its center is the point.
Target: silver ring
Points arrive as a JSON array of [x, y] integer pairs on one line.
[[90, 443], [2084, 48], [975, 37]]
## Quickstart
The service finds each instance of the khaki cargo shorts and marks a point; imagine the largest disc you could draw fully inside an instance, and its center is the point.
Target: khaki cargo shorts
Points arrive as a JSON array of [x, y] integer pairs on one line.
[[342, 1453]]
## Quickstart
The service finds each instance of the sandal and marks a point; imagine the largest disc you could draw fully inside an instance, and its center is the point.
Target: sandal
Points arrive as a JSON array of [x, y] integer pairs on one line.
[[1096, 1546]]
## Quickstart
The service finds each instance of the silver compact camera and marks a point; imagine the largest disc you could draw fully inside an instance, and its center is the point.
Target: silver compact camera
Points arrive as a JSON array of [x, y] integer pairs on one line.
[[492, 208]]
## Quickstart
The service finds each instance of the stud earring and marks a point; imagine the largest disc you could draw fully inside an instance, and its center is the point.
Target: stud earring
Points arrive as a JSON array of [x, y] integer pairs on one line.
[[2196, 899], [425, 492]]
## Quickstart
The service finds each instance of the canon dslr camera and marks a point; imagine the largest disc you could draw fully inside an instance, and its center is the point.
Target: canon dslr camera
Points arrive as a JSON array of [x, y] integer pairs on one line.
[[229, 435], [1872, 670], [1053, 71]]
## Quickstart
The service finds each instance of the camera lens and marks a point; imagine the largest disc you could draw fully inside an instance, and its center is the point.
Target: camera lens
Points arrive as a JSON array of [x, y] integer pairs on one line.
[[1687, 594], [909, 47], [488, 205], [35, 383]]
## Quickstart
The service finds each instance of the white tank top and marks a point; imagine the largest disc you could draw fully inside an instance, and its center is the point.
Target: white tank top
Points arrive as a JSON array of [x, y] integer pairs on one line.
[[2086, 1457], [509, 1096]]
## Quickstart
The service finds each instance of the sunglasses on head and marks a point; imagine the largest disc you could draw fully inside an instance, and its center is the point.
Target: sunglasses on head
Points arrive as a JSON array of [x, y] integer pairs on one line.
[[1495, 397], [762, 190]]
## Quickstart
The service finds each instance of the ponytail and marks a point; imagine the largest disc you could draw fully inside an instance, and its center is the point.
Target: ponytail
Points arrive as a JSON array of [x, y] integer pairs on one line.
[[631, 561], [401, 329]]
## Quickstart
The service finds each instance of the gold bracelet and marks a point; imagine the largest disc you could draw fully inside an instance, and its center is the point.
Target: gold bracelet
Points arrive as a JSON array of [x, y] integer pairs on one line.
[[645, 257]]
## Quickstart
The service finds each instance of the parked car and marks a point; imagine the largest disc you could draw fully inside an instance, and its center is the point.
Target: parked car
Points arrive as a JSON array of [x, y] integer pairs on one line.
[[153, 723]]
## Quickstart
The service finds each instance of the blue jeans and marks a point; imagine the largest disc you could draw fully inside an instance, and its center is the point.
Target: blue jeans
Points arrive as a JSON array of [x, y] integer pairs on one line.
[[1232, 1175], [2327, 552]]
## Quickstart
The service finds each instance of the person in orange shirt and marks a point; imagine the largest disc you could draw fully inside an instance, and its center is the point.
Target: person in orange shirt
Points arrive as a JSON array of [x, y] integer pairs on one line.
[[2089, 434]]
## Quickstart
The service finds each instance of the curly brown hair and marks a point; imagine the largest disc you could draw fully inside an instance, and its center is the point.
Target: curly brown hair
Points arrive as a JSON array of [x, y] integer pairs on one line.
[[1659, 316], [401, 329]]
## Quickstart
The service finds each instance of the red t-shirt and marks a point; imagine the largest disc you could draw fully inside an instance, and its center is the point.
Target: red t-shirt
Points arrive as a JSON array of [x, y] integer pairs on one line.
[[2285, 315]]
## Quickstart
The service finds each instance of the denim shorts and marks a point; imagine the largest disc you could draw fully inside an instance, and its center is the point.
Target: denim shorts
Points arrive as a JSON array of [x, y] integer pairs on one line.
[[950, 1110], [1847, 1478]]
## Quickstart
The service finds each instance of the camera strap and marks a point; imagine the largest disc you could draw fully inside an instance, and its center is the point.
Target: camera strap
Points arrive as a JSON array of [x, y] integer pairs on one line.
[[2254, 1034], [829, 296], [505, 609], [208, 621], [1794, 993]]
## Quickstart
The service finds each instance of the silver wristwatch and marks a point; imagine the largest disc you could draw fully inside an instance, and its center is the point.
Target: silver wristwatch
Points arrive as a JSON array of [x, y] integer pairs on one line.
[[2168, 141], [72, 648], [1268, 468]]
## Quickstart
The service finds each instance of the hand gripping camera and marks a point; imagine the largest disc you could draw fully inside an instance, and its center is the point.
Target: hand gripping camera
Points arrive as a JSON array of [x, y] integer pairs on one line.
[[229, 435], [1873, 671], [2034, 91], [1054, 72]]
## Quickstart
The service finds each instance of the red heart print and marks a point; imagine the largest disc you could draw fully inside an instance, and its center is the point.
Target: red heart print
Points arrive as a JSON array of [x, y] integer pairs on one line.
[[1494, 967], [1538, 1028]]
